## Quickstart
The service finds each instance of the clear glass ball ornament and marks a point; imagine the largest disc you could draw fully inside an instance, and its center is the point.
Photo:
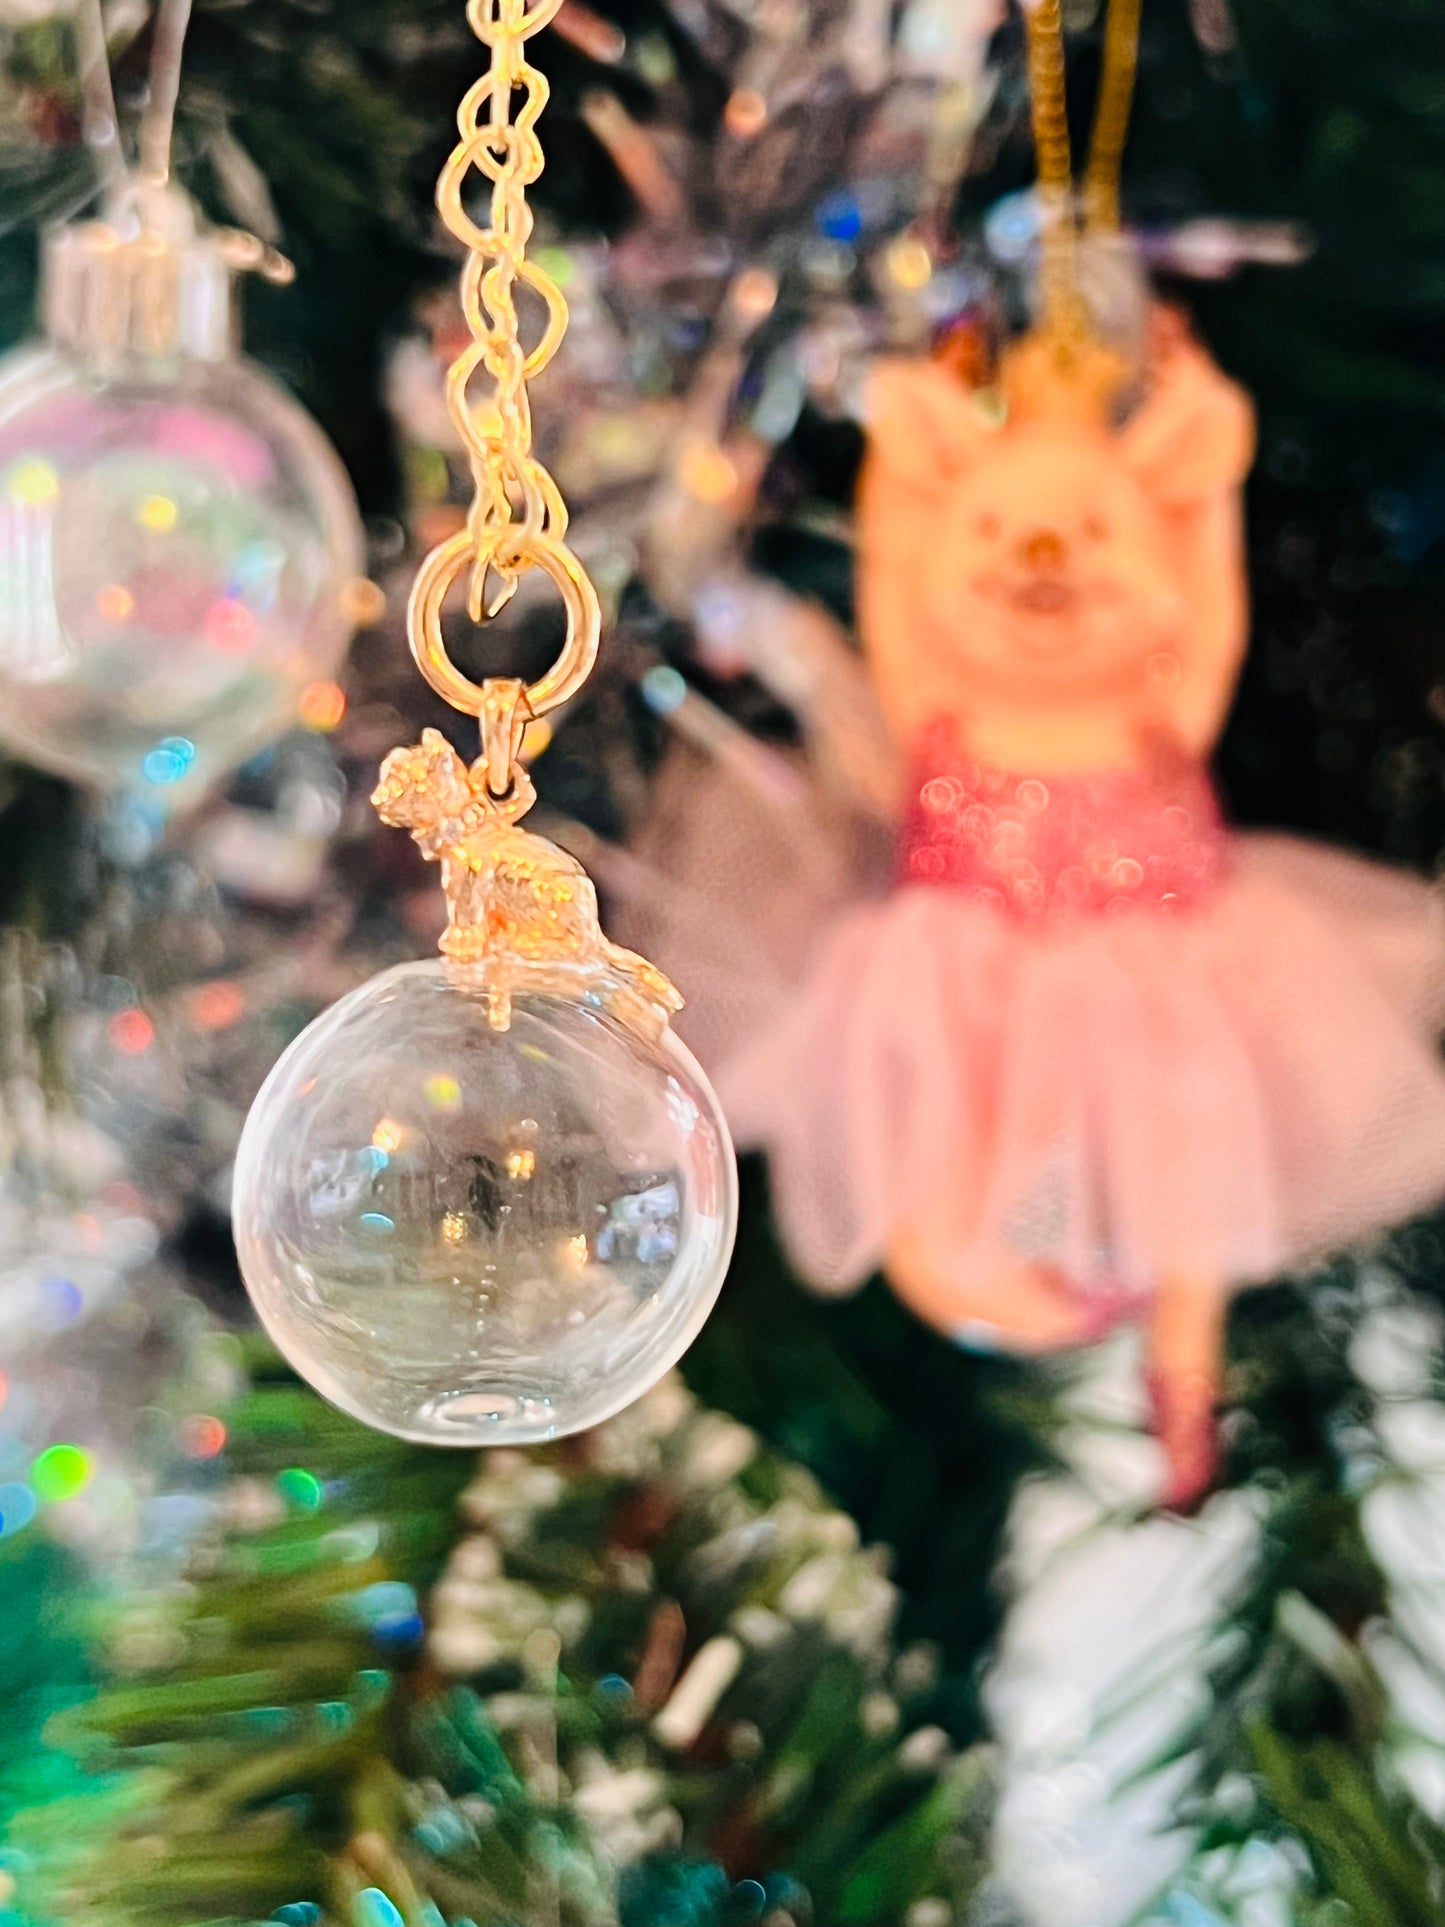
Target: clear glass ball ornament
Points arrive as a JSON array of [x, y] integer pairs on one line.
[[465, 1234], [179, 545]]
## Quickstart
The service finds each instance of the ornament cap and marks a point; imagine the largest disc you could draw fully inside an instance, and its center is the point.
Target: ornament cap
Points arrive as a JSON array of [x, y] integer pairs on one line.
[[149, 280]]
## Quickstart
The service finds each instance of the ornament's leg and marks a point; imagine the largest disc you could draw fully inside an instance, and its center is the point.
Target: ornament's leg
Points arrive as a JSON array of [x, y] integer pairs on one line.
[[1186, 1368]]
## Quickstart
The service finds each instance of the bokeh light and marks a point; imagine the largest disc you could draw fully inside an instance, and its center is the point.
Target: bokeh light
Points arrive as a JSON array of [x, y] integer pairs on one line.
[[910, 265], [114, 602], [371, 1908], [229, 625], [443, 1092], [707, 473], [169, 761], [158, 513], [664, 688], [363, 601], [536, 739], [300, 1488], [216, 1006], [839, 217], [201, 1436], [558, 263], [18, 1506], [322, 706], [31, 483], [755, 294], [62, 1302], [61, 1472], [131, 1032], [746, 113]]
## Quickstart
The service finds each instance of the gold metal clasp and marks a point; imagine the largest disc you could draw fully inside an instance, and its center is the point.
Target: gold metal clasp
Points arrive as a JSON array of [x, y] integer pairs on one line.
[[518, 908]]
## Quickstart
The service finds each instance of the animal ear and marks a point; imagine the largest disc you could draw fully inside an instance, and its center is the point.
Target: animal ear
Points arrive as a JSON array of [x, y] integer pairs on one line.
[[1193, 436], [392, 785], [435, 744], [924, 426], [446, 764], [443, 776]]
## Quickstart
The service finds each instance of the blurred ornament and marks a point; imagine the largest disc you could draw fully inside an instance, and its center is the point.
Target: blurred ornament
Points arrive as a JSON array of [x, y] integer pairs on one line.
[[176, 537], [491, 1199], [1132, 1112], [178, 542], [1072, 1070]]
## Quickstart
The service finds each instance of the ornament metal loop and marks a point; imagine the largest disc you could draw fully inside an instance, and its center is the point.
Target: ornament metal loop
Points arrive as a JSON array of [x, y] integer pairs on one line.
[[445, 566]]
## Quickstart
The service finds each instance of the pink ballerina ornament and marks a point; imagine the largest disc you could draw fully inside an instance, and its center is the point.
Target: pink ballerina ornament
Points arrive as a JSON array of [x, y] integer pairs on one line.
[[1093, 1057]]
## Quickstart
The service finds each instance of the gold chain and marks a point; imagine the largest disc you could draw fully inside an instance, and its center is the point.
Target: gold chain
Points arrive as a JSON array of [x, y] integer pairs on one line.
[[1048, 106], [518, 520], [520, 912]]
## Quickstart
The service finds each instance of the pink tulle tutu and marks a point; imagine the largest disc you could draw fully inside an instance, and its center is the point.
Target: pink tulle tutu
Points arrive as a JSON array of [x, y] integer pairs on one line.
[[1089, 1031]]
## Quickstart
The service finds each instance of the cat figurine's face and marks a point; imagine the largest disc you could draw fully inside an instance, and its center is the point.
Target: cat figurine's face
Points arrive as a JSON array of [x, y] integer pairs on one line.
[[1050, 578]]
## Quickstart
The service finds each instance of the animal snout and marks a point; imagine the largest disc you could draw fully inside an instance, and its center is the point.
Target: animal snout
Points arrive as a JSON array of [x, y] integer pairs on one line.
[[1042, 552]]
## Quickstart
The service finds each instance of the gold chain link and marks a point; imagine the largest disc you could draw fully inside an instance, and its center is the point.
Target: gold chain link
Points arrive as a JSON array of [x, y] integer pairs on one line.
[[518, 520]]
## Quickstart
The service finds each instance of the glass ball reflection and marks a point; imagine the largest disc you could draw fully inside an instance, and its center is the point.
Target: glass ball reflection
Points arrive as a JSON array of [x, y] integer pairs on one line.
[[178, 545], [469, 1235]]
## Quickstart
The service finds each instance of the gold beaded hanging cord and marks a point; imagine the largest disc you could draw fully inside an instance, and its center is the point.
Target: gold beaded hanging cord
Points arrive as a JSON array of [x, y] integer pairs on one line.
[[1062, 309], [510, 896]]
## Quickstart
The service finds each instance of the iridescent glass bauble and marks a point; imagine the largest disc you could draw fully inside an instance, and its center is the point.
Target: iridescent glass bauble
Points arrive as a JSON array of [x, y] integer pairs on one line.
[[179, 547]]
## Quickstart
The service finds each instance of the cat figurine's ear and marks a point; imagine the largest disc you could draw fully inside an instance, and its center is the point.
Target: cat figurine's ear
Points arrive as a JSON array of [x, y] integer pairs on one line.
[[1193, 435], [422, 783], [924, 426]]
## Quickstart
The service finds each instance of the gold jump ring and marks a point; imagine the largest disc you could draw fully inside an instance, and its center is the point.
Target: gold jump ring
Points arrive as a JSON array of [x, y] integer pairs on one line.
[[445, 566]]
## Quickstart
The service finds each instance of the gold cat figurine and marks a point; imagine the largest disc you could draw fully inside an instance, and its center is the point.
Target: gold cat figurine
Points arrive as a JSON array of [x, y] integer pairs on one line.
[[514, 900]]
